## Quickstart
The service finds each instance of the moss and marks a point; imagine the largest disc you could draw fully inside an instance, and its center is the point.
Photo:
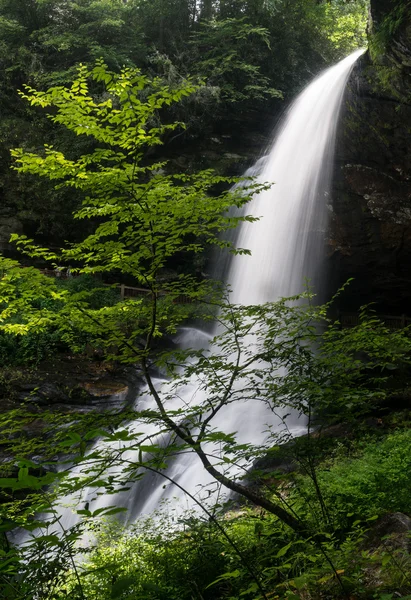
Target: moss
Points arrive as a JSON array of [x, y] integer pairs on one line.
[[388, 66], [385, 31]]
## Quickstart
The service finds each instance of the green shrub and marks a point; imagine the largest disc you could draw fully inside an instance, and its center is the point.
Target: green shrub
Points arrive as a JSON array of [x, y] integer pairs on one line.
[[29, 349], [33, 348], [93, 290], [378, 480]]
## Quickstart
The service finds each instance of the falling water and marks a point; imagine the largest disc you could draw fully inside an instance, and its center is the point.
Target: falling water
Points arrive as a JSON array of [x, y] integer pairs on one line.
[[286, 243], [285, 248]]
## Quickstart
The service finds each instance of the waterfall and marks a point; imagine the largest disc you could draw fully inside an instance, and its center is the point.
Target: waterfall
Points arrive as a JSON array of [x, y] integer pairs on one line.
[[285, 247], [286, 242]]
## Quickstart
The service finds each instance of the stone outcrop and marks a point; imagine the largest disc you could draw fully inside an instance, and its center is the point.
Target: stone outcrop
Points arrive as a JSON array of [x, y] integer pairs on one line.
[[391, 531], [69, 384], [370, 226]]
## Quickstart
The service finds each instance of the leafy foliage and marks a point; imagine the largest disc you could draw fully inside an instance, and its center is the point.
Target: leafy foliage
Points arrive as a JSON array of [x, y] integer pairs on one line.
[[385, 30], [223, 53], [140, 219], [385, 40], [143, 217], [375, 481], [152, 560], [273, 354], [249, 53]]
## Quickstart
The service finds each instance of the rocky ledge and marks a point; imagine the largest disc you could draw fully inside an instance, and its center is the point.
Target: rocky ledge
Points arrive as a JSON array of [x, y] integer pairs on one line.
[[69, 384]]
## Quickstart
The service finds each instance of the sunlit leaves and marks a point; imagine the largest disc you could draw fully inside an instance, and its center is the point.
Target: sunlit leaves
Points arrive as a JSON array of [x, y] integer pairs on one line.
[[143, 217]]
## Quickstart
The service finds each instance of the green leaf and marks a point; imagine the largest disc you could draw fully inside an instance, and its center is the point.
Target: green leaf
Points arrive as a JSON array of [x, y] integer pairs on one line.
[[386, 559], [283, 550], [109, 510], [84, 512], [299, 582], [121, 586], [225, 576]]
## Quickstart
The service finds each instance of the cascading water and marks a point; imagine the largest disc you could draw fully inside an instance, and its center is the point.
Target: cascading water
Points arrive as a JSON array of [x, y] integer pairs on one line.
[[286, 242], [285, 248]]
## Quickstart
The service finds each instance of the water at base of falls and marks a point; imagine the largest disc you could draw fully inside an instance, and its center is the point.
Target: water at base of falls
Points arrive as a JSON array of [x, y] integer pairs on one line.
[[285, 247]]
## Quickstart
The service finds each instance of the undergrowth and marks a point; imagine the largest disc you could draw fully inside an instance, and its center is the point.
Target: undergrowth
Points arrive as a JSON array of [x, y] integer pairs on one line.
[[155, 560], [33, 348]]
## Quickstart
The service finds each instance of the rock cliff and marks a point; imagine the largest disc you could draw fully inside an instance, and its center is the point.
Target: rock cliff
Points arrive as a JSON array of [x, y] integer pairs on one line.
[[370, 227]]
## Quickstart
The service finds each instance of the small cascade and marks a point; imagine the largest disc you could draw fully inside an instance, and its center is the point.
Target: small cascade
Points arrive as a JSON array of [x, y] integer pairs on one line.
[[285, 247]]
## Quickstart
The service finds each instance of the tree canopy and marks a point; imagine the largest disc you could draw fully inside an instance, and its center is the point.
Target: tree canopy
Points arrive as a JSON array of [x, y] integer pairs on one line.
[[249, 54]]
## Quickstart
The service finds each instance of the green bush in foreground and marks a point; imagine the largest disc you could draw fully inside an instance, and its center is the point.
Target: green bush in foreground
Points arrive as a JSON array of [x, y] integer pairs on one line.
[[154, 560], [378, 480]]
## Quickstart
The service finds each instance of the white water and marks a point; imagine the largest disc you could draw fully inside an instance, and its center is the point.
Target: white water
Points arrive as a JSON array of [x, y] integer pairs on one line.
[[286, 243], [285, 248]]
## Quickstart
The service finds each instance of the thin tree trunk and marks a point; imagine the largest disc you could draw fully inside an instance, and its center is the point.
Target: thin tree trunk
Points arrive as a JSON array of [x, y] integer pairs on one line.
[[206, 10]]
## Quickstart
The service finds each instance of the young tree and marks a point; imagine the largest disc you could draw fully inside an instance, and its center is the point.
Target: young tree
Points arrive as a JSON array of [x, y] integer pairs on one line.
[[140, 216], [142, 219]]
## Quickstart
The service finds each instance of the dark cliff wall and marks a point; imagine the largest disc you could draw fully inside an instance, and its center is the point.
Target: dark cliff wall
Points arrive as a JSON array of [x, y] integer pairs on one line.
[[380, 8], [370, 230]]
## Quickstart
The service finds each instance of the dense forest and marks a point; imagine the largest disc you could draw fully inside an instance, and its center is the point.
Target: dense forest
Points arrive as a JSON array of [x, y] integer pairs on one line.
[[251, 57], [125, 130]]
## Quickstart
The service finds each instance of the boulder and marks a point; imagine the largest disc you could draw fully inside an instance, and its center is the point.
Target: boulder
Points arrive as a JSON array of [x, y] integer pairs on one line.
[[390, 532], [50, 393]]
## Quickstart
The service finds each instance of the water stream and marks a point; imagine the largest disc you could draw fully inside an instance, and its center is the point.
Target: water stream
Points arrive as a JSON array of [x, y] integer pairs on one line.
[[286, 246]]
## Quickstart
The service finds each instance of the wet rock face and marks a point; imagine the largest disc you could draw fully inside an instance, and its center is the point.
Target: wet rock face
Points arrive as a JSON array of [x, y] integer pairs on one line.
[[387, 198], [369, 237]]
